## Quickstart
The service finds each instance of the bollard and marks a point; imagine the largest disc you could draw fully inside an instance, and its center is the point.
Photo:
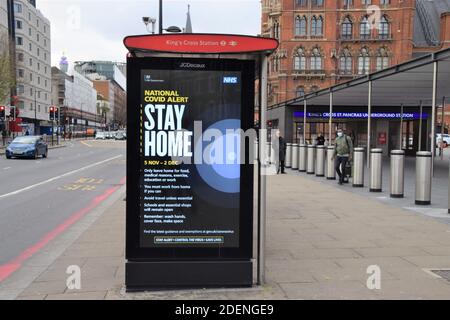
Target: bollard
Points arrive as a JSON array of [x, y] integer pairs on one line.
[[268, 151], [423, 178], [331, 170], [310, 166], [376, 170], [320, 161], [397, 174], [294, 164], [358, 168], [288, 155], [302, 157]]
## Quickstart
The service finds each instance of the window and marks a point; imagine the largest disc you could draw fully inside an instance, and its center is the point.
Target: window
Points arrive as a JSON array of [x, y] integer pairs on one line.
[[348, 3], [316, 60], [17, 8], [366, 2], [317, 3], [20, 89], [346, 62], [384, 2], [317, 26], [347, 29], [19, 41], [299, 92], [20, 73], [31, 62], [364, 62], [30, 46], [384, 28], [382, 59], [276, 30], [301, 3], [19, 24], [300, 60], [20, 57], [365, 28], [300, 26]]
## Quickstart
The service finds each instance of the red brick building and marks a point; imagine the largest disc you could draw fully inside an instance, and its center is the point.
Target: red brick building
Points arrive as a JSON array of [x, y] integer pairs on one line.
[[324, 42]]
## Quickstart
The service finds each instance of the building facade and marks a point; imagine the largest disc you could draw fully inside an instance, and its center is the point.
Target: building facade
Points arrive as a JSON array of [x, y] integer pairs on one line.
[[110, 82], [76, 98], [4, 41], [324, 42], [33, 59]]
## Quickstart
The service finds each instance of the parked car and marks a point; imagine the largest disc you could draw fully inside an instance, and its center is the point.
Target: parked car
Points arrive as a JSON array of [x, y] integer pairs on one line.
[[27, 147], [120, 135], [100, 136], [445, 138]]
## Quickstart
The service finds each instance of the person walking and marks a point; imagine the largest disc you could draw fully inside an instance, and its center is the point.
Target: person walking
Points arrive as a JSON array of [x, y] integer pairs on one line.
[[342, 153], [279, 146]]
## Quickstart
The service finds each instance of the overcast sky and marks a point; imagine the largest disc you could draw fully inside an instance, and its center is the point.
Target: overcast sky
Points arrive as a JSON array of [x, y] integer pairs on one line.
[[94, 29]]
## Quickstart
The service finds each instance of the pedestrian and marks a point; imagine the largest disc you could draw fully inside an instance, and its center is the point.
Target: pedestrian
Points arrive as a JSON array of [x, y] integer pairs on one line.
[[4, 136], [27, 133], [320, 140], [342, 153], [279, 145]]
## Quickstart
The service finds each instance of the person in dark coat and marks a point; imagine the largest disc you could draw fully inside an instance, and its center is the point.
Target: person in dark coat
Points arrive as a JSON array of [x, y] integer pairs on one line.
[[320, 140], [279, 144]]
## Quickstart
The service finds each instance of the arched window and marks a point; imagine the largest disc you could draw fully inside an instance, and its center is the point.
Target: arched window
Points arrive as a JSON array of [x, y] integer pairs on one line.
[[300, 3], [300, 26], [364, 61], [300, 60], [276, 30], [346, 62], [384, 29], [316, 60], [347, 28], [365, 28], [382, 59], [317, 3], [317, 26], [299, 92]]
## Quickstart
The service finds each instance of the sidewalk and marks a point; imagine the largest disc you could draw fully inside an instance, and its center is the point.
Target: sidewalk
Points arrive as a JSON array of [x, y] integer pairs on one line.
[[321, 240]]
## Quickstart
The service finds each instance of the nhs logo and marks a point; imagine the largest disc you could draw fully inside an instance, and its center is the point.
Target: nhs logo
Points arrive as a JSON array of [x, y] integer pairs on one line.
[[230, 80]]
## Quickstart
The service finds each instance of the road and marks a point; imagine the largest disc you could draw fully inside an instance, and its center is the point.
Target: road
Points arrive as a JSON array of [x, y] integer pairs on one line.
[[39, 199]]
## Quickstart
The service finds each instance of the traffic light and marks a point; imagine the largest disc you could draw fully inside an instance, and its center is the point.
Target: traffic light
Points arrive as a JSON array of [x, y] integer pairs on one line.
[[52, 113], [2, 113]]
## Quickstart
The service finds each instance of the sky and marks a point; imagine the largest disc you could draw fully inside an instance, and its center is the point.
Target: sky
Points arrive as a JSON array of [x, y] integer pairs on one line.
[[94, 29]]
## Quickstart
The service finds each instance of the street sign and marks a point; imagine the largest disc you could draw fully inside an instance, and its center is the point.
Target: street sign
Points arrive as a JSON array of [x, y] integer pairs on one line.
[[190, 196]]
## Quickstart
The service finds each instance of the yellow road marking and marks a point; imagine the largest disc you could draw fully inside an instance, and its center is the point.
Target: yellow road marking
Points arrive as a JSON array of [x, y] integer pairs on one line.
[[86, 144]]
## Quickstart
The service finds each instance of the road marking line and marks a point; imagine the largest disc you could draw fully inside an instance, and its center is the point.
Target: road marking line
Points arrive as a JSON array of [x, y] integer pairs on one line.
[[7, 168], [59, 177], [86, 144], [9, 268]]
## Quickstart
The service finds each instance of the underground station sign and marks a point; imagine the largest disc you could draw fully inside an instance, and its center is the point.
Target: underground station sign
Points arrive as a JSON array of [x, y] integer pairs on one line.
[[189, 189]]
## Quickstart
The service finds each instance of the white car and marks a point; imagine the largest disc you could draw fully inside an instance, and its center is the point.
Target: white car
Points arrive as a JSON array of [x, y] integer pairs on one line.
[[445, 138], [100, 136]]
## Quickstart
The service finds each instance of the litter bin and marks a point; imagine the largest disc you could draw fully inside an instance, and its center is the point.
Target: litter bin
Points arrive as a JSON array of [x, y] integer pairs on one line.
[[376, 170], [294, 164], [320, 161], [302, 157], [331, 171], [423, 178], [288, 155], [358, 168], [311, 160], [397, 174]]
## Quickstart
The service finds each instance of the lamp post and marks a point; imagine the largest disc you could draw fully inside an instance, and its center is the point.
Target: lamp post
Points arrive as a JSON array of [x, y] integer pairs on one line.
[[35, 111], [160, 17], [82, 121]]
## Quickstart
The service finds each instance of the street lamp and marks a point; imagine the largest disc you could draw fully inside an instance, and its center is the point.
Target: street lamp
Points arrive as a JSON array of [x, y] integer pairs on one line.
[[147, 21]]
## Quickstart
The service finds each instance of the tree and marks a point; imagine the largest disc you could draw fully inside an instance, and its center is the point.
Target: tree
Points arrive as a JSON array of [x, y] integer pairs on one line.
[[7, 78]]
